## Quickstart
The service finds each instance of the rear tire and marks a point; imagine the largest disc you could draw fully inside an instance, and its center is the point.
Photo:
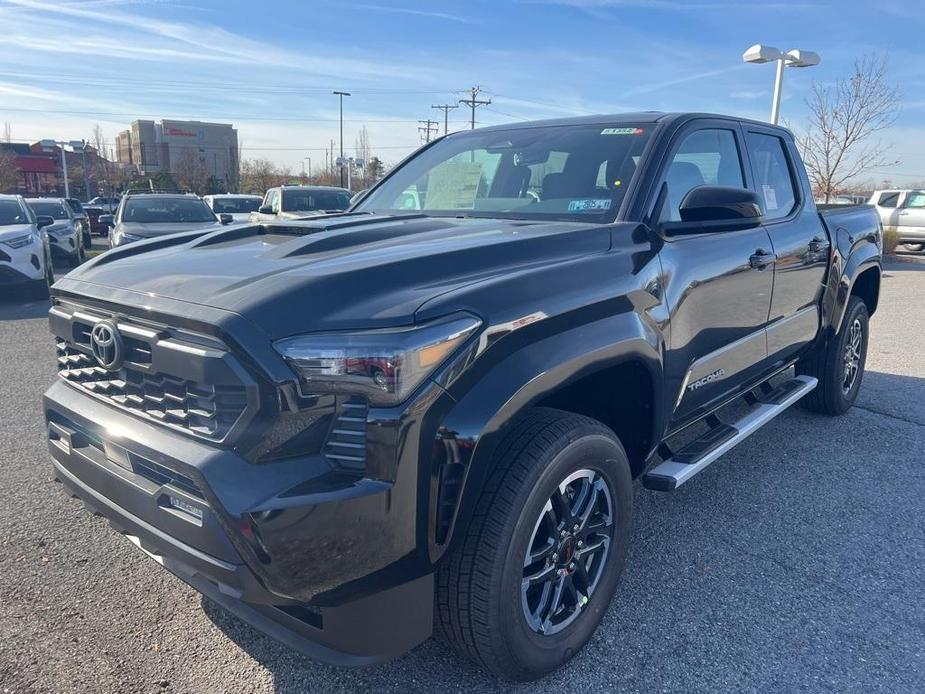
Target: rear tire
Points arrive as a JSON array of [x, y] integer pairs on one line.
[[839, 365], [547, 467]]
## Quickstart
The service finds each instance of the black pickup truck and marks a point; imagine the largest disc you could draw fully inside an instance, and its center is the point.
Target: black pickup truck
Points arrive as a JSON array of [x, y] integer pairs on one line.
[[426, 414]]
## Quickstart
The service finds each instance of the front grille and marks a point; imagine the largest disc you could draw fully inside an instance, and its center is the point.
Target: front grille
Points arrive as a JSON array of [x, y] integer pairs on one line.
[[166, 377]]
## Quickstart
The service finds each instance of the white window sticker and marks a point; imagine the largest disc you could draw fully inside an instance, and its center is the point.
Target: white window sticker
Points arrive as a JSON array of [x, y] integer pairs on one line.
[[622, 131], [589, 205], [770, 197]]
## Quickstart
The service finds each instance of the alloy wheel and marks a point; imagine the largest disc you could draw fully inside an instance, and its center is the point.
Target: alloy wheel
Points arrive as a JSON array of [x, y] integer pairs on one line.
[[852, 355], [568, 551]]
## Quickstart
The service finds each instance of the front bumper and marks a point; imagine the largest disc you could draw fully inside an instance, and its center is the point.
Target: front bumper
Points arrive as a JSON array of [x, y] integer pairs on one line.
[[316, 569], [21, 265], [64, 246]]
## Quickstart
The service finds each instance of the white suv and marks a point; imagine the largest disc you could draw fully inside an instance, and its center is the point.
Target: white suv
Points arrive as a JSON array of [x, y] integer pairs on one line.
[[903, 210], [25, 255]]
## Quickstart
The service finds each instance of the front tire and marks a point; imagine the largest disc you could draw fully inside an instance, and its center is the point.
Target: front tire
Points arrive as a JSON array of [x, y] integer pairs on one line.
[[839, 366], [532, 577], [78, 256]]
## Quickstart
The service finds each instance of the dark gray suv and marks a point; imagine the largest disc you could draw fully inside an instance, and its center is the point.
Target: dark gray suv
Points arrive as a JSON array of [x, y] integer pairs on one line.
[[146, 215]]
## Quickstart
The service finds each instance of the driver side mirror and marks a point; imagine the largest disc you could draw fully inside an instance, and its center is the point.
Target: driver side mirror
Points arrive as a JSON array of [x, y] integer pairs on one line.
[[43, 221], [225, 218], [107, 219], [717, 208], [265, 209]]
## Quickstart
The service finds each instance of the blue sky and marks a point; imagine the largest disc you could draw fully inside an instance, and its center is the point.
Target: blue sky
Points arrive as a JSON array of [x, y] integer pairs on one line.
[[269, 67]]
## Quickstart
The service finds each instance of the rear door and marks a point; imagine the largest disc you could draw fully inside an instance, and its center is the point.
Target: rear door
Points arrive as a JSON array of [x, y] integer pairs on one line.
[[800, 242], [719, 283]]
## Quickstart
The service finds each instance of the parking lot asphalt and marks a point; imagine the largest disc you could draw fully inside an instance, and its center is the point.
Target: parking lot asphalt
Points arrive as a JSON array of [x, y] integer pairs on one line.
[[795, 563]]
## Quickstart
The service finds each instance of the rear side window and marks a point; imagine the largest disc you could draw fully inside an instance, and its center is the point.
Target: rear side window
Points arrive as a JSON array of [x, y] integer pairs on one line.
[[773, 175], [888, 199], [704, 157]]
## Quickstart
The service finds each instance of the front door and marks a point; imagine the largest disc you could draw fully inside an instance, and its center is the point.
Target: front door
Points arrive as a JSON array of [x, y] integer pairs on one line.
[[800, 243], [911, 217], [719, 284]]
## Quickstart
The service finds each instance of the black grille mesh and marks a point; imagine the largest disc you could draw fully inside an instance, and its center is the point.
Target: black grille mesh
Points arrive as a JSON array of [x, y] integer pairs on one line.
[[207, 410]]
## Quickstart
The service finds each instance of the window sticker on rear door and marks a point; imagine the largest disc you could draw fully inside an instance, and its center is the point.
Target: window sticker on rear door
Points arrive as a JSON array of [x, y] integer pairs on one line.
[[589, 205]]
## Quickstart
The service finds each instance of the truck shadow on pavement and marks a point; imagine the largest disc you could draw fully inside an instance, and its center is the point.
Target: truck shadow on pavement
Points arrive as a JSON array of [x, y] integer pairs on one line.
[[15, 308], [791, 562]]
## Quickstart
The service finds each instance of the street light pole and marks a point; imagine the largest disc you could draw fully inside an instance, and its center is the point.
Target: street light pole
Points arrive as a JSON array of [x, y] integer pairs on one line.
[[792, 58], [342, 95], [778, 89], [67, 190]]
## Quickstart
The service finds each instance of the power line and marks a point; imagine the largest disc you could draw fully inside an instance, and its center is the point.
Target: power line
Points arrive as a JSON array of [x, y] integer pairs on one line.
[[223, 86], [243, 118], [472, 102], [446, 108]]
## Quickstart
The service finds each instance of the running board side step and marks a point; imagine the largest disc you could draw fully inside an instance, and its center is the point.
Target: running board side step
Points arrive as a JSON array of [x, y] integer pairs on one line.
[[698, 454]]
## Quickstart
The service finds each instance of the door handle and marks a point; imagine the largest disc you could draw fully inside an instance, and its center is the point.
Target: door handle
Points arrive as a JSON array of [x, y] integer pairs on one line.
[[818, 244], [760, 259]]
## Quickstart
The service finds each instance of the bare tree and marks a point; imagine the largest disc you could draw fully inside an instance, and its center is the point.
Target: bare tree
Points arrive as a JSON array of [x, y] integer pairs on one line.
[[9, 174], [259, 174], [841, 141]]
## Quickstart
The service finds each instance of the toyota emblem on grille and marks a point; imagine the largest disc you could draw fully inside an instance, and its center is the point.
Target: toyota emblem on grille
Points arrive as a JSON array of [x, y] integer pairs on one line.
[[106, 345]]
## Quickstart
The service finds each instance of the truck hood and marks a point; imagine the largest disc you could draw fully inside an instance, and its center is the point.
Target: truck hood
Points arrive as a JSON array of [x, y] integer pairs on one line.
[[345, 272], [161, 228]]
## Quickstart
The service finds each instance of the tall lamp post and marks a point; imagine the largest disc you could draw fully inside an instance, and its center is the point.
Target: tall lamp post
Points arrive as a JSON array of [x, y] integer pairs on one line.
[[760, 53], [341, 95], [309, 159], [76, 145]]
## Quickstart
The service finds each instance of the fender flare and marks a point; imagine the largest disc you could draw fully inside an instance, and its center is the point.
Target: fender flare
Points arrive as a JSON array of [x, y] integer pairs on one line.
[[476, 423], [855, 264]]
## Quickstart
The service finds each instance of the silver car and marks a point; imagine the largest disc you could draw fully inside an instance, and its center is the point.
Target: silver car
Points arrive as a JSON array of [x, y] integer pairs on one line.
[[238, 205], [65, 235], [903, 210]]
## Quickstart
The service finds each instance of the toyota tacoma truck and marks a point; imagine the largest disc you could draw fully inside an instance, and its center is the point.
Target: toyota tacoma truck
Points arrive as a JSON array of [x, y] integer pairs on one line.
[[359, 430]]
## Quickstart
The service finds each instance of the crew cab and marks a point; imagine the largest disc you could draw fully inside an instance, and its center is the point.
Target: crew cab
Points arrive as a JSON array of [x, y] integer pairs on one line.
[[300, 202], [357, 429]]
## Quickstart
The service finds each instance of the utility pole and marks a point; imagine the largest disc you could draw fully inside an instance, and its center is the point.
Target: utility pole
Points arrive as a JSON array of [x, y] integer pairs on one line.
[[428, 126], [341, 96], [472, 102], [332, 159], [446, 108]]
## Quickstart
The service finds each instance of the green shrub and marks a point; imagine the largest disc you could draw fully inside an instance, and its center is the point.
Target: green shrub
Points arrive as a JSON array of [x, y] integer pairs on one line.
[[890, 239]]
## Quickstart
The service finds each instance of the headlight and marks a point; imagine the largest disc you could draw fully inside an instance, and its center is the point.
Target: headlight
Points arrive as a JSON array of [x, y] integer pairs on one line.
[[385, 366], [120, 238], [19, 241]]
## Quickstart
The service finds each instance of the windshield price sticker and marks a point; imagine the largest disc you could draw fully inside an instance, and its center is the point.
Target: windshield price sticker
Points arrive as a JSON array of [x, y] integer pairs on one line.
[[590, 205]]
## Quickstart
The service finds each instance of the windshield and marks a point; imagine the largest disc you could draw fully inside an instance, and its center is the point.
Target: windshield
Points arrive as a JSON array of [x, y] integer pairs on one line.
[[49, 209], [554, 172], [11, 212], [314, 200], [235, 205], [150, 210]]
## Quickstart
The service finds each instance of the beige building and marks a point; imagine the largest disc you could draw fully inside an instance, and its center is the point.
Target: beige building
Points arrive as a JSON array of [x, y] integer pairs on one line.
[[179, 146]]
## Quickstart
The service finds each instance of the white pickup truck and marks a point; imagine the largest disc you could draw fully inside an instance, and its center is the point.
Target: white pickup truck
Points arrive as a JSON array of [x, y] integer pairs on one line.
[[903, 210]]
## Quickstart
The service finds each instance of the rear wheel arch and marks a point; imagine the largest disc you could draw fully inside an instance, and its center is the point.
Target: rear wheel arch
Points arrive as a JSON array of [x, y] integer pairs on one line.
[[866, 286]]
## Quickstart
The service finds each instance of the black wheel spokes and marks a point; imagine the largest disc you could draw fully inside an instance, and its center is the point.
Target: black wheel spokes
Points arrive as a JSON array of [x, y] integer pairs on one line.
[[567, 552]]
